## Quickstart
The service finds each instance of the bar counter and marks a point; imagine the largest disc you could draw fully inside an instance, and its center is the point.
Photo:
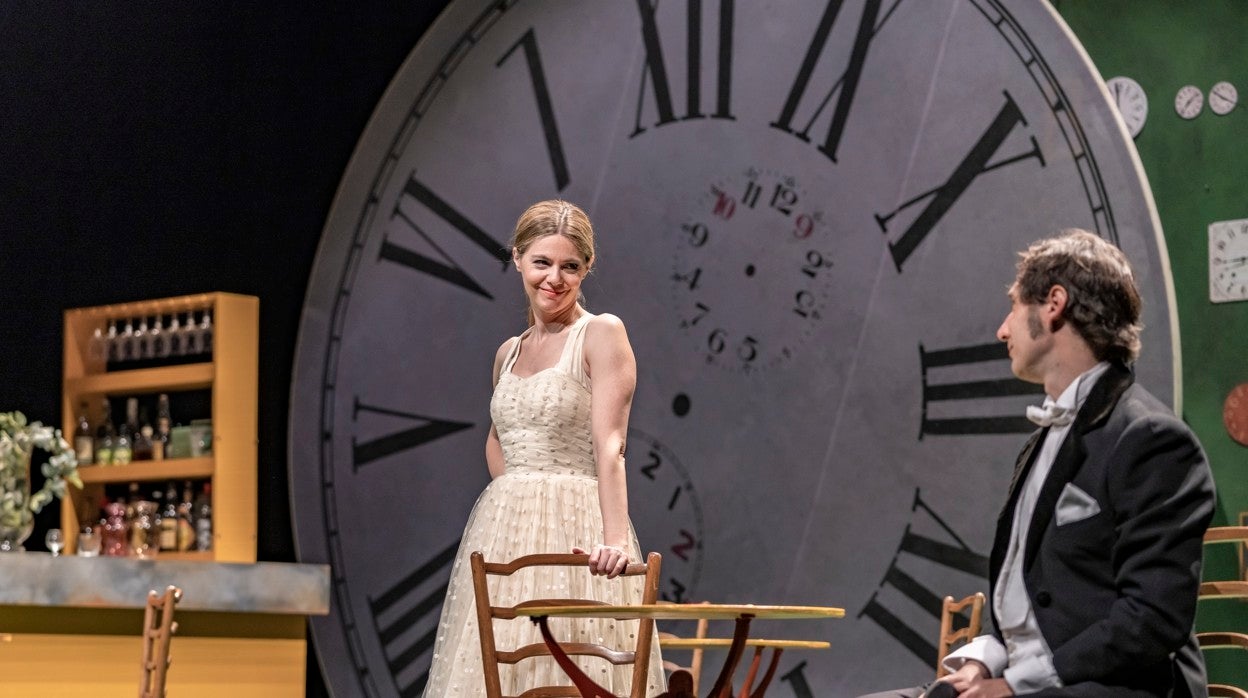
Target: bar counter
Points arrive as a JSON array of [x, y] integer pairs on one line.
[[70, 626]]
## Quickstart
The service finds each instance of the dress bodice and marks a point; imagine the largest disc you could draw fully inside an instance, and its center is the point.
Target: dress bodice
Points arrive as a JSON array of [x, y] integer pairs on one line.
[[543, 420]]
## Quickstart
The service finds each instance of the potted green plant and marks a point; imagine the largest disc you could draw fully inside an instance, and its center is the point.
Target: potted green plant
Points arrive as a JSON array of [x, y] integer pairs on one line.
[[18, 439]]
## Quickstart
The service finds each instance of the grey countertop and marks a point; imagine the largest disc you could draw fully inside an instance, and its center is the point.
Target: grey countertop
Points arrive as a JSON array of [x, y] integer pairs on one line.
[[38, 579]]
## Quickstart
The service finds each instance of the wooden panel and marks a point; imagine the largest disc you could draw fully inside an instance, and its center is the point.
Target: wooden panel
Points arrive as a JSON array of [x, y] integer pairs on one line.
[[169, 469], [35, 665], [143, 380]]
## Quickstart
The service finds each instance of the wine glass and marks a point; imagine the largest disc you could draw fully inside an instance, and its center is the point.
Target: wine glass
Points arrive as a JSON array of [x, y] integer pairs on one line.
[[205, 332], [89, 542], [123, 342], [55, 541], [173, 336], [97, 346], [139, 343], [158, 343], [114, 346], [192, 336]]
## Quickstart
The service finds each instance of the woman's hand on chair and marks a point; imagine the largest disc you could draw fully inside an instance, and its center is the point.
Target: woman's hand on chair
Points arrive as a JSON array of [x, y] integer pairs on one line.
[[609, 560]]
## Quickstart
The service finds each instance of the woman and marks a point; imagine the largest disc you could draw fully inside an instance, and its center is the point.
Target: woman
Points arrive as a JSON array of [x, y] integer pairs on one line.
[[555, 451]]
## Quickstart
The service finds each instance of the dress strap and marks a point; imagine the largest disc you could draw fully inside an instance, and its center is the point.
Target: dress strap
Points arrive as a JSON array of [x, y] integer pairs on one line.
[[573, 359], [513, 352]]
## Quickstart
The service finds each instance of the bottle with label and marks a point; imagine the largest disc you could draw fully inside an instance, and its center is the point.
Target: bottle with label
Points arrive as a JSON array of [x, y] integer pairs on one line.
[[142, 446], [84, 442], [203, 518], [105, 437], [169, 519], [186, 526], [160, 436], [123, 445]]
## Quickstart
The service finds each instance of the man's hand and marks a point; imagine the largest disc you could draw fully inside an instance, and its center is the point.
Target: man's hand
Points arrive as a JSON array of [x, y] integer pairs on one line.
[[971, 681], [988, 688]]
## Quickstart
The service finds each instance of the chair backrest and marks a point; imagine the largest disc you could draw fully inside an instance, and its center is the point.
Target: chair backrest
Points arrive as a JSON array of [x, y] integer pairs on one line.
[[491, 656], [949, 637], [158, 630], [1225, 589]]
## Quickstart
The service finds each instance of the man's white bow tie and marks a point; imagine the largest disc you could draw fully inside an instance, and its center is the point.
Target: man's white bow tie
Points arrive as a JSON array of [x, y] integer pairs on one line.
[[1050, 414]]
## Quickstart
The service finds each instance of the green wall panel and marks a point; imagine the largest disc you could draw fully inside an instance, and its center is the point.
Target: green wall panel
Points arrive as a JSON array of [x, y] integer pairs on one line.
[[1197, 173]]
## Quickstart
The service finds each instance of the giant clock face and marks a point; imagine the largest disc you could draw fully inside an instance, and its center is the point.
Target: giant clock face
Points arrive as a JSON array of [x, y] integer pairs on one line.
[[808, 215]]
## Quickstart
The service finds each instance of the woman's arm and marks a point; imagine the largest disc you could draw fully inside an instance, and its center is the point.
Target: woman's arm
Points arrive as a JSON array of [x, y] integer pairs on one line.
[[613, 377], [493, 449]]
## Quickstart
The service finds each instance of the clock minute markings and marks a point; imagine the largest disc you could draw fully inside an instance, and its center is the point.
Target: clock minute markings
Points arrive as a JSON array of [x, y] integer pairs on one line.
[[446, 269], [655, 69], [376, 449], [396, 610], [957, 556], [971, 167]]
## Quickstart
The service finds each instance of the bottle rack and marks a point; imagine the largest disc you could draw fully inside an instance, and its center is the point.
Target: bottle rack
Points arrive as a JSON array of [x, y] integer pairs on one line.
[[231, 372]]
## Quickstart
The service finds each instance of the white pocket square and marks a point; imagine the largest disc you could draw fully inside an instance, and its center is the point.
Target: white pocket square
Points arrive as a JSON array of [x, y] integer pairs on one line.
[[1075, 505]]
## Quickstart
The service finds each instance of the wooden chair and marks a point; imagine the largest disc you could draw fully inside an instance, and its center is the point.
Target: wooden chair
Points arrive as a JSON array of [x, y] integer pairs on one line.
[[491, 656], [1225, 589], [949, 637], [158, 630]]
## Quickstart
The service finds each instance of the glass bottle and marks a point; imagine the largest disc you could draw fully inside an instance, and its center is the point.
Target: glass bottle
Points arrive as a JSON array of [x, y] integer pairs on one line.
[[113, 532], [186, 526], [142, 446], [84, 442], [144, 531], [203, 518], [104, 437], [169, 519], [123, 446], [160, 437]]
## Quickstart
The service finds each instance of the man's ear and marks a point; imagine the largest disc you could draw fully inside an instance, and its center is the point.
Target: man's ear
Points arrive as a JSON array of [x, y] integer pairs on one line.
[[1055, 307]]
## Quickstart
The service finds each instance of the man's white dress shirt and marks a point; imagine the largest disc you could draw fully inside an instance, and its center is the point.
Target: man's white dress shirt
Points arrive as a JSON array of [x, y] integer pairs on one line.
[[1024, 660]]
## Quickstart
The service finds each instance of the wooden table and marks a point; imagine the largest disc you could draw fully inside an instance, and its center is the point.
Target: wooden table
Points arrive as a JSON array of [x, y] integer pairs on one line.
[[741, 613]]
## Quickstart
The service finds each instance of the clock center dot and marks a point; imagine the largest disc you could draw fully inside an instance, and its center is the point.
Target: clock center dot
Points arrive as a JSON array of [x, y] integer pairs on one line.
[[749, 270]]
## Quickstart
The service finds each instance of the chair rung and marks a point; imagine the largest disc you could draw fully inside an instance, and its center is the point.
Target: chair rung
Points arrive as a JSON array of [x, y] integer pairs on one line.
[[576, 649]]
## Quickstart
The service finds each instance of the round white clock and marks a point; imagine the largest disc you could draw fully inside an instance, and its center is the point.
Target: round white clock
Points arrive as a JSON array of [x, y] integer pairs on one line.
[[808, 215], [1131, 101], [1222, 98], [1228, 261], [1189, 101]]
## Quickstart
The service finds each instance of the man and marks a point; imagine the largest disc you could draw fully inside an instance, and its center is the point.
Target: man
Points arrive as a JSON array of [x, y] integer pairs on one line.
[[1095, 565]]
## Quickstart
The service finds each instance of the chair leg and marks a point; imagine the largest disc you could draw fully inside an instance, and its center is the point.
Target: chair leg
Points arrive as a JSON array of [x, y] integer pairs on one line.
[[584, 684]]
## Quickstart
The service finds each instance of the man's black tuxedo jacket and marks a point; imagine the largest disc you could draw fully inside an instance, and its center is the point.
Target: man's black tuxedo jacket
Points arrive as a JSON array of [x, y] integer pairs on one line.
[[1114, 594]]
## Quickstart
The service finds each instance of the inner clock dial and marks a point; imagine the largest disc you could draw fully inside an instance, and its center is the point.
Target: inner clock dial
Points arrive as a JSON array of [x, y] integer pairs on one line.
[[752, 241]]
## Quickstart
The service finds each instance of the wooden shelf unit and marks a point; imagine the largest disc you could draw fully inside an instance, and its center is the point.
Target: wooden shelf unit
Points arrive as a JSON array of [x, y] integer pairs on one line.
[[232, 375]]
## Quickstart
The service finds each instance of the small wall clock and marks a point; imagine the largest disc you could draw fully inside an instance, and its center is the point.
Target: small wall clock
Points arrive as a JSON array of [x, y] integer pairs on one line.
[[1189, 101], [1222, 98], [1235, 414], [1228, 261], [1131, 101]]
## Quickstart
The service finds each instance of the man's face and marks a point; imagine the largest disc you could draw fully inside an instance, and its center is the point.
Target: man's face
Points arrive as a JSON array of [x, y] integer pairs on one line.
[[1028, 339]]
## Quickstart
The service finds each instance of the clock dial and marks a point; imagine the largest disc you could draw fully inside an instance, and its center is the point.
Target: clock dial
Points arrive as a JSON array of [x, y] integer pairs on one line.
[[1222, 98], [1189, 101], [1235, 414], [807, 216], [1131, 102], [759, 234], [1228, 261]]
